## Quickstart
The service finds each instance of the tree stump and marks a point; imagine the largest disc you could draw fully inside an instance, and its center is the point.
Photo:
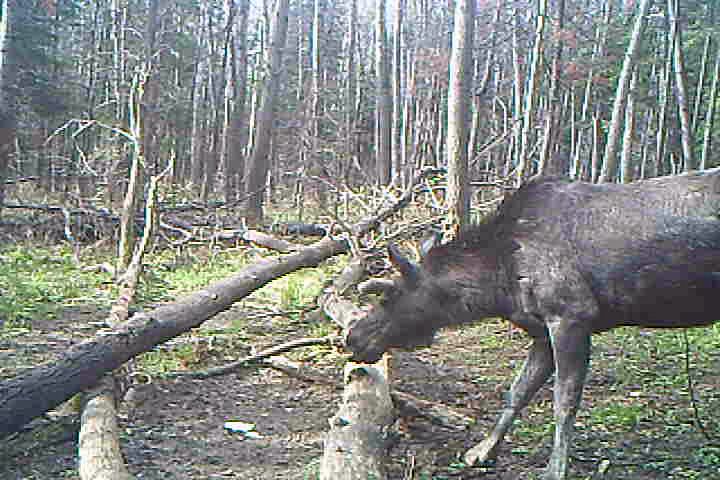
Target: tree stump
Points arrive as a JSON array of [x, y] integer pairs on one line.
[[356, 445]]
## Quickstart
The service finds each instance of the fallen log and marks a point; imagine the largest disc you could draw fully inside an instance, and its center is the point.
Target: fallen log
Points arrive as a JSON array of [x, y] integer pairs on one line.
[[42, 388]]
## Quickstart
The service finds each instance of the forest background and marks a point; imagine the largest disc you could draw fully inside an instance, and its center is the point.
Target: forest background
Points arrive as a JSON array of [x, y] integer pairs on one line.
[[240, 99], [242, 114]]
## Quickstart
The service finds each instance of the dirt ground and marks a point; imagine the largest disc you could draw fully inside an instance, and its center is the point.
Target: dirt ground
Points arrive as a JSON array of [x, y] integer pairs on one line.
[[173, 429]]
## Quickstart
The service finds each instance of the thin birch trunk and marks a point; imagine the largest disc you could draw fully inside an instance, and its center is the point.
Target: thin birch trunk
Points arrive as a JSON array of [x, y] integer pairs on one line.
[[517, 95], [609, 165], [397, 110], [383, 99], [699, 90], [710, 114], [552, 113], [197, 135], [626, 164], [686, 133], [351, 89], [531, 94], [664, 96]]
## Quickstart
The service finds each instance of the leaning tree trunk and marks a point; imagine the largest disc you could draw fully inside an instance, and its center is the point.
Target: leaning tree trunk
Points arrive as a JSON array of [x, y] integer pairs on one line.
[[34, 392], [609, 166], [710, 113], [626, 163]]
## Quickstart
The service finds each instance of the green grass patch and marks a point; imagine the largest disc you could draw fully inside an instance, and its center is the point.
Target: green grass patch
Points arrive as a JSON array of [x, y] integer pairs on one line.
[[39, 282]]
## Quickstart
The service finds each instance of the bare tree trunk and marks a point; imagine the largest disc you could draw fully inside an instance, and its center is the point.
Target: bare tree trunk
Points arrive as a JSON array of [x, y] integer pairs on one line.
[[260, 160], [126, 242], [212, 119], [664, 100], [316, 82], [683, 100], [609, 166], [150, 103], [237, 136], [531, 94], [383, 99], [351, 90], [461, 78], [7, 116], [118, 11], [552, 113], [595, 149], [626, 163], [517, 96], [397, 110], [197, 134], [410, 117], [710, 114], [699, 90], [484, 84]]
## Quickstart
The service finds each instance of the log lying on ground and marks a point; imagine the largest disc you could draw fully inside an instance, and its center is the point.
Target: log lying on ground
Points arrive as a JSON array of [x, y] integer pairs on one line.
[[40, 389]]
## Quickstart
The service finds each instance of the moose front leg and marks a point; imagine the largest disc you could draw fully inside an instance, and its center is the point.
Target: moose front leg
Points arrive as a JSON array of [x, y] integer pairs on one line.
[[537, 369], [571, 349]]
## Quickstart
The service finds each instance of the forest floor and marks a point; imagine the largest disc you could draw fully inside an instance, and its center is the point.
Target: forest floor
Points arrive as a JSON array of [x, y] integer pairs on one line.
[[636, 422]]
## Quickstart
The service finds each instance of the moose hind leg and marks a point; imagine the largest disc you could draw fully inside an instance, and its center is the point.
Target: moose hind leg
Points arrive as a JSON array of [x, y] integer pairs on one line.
[[571, 347], [538, 367]]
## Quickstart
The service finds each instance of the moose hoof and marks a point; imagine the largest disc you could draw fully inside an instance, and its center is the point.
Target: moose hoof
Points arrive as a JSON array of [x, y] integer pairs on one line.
[[482, 454]]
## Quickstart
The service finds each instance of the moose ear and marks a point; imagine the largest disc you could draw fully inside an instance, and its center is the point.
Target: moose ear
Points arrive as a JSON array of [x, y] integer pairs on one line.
[[409, 270]]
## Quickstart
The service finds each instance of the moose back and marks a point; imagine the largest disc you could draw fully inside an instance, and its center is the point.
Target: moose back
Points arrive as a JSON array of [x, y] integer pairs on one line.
[[562, 261]]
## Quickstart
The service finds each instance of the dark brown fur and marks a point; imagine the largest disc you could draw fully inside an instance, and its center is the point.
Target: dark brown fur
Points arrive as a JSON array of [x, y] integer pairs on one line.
[[562, 261]]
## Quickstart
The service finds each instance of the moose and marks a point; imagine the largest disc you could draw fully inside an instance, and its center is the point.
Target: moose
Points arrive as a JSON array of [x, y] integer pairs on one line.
[[561, 260]]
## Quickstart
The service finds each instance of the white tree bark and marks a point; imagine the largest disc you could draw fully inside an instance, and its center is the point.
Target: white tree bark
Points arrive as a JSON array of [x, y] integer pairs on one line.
[[459, 94], [609, 166]]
